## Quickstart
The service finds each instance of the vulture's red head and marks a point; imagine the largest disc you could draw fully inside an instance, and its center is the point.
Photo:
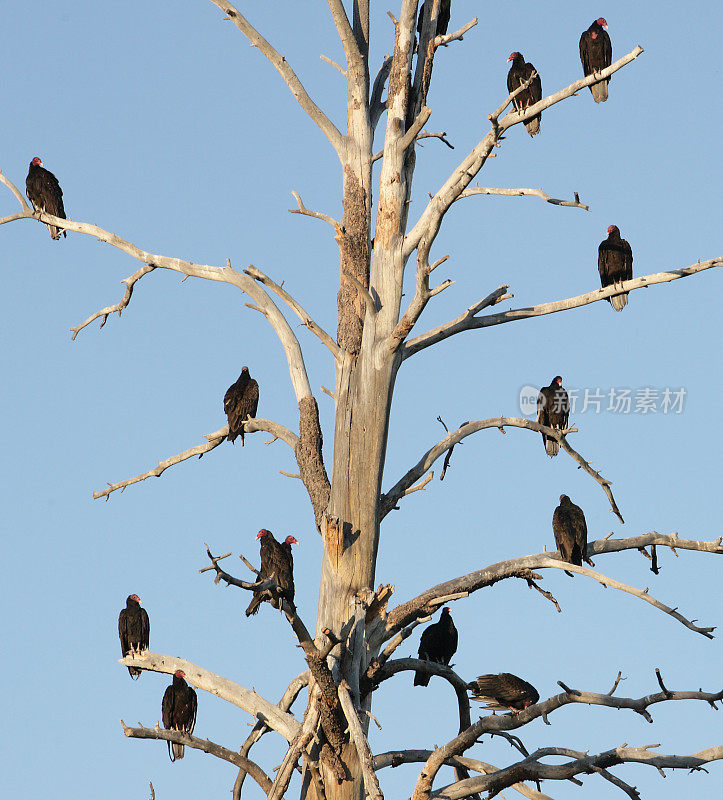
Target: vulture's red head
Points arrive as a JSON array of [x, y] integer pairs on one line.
[[563, 497], [134, 598], [513, 56], [613, 229], [446, 610], [36, 162], [245, 371], [179, 673], [601, 22], [262, 533], [290, 540], [558, 380]]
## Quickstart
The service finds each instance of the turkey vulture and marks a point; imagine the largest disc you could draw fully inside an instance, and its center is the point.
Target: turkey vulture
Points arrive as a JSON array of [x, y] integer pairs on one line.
[[596, 53], [179, 710], [570, 529], [442, 18], [438, 644], [277, 562], [44, 192], [519, 73], [240, 402], [134, 629], [553, 410], [504, 691], [615, 264]]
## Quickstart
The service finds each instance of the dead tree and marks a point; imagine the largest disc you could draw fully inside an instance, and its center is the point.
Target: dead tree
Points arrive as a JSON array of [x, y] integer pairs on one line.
[[356, 634]]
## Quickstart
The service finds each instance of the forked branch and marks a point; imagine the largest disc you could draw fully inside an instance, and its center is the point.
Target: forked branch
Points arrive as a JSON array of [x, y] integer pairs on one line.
[[468, 321], [297, 308], [118, 307], [390, 499], [430, 221], [406, 614], [262, 301], [216, 438], [507, 722], [532, 768]]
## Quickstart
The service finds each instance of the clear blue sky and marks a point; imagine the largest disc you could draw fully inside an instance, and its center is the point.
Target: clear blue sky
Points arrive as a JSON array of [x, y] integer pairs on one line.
[[164, 126]]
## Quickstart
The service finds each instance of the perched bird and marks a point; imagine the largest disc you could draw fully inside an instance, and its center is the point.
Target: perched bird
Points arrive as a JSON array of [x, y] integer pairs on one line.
[[178, 710], [504, 691], [438, 644], [519, 73], [240, 402], [44, 192], [134, 629], [615, 264], [442, 18], [277, 562], [596, 53], [570, 529], [553, 410]]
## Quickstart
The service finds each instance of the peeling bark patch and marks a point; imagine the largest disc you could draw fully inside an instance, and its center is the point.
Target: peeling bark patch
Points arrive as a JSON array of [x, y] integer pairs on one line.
[[332, 541], [310, 459], [354, 251]]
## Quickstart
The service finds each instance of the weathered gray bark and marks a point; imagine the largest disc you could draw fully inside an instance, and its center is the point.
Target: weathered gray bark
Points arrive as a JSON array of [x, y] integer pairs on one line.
[[372, 332]]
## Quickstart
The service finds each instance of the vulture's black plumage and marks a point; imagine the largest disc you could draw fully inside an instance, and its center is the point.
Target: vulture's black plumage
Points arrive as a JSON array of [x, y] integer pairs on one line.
[[504, 691], [277, 562], [553, 410], [178, 710], [134, 630], [615, 264], [44, 192], [445, 7], [240, 402], [519, 73], [570, 529], [438, 644], [596, 53]]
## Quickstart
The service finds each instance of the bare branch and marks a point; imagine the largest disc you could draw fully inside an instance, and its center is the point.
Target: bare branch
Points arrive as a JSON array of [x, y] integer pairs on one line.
[[458, 35], [407, 613], [105, 312], [263, 302], [298, 745], [371, 784], [302, 209], [415, 128], [442, 136], [281, 65], [376, 106], [296, 307], [506, 722], [431, 219], [392, 497], [395, 758], [346, 35], [531, 768], [214, 440], [248, 700], [207, 746], [460, 323], [333, 64], [521, 192], [542, 309]]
